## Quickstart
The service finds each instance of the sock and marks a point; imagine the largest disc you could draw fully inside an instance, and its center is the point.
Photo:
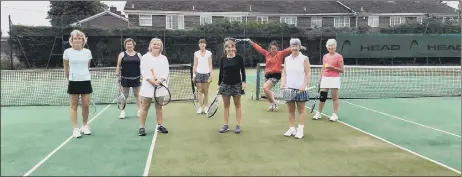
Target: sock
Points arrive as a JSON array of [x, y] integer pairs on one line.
[[292, 128], [143, 126], [301, 126]]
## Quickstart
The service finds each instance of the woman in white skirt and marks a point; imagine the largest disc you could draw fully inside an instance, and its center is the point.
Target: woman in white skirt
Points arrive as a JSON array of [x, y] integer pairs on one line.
[[153, 60], [330, 78]]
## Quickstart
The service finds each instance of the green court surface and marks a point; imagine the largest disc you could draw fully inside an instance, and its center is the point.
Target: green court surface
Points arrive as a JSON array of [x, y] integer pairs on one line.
[[390, 137]]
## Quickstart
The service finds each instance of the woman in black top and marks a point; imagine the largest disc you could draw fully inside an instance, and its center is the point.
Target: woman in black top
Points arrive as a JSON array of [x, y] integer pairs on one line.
[[231, 82], [128, 72]]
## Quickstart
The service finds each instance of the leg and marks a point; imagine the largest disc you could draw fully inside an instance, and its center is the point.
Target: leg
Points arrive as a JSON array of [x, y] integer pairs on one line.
[[136, 94], [74, 103], [143, 114], [335, 101], [205, 92], [226, 103], [125, 91], [159, 115], [291, 109], [269, 95], [237, 105], [301, 119], [322, 100], [85, 110], [200, 97]]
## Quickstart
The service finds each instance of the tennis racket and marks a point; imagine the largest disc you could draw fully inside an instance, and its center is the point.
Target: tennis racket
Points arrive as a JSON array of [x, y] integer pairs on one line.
[[198, 97], [235, 39], [213, 107], [121, 100], [91, 106], [162, 94], [316, 98]]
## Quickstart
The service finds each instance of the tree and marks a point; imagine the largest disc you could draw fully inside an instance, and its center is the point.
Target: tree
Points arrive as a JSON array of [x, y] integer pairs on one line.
[[63, 13]]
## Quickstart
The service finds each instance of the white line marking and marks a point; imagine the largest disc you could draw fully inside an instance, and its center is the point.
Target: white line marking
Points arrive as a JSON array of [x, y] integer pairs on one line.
[[61, 145], [398, 146], [151, 151], [395, 117]]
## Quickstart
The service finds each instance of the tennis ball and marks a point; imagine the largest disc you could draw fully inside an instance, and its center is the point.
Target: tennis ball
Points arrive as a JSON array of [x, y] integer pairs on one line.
[[326, 65]]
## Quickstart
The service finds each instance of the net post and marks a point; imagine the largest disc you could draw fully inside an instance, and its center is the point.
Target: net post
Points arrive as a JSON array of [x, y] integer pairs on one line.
[[10, 41], [257, 90]]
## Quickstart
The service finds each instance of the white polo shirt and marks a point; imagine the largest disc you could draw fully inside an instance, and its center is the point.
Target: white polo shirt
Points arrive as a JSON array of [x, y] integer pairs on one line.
[[78, 64], [295, 70], [203, 62]]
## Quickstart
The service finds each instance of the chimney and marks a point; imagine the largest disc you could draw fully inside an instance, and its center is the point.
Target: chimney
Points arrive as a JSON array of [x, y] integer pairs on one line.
[[113, 9]]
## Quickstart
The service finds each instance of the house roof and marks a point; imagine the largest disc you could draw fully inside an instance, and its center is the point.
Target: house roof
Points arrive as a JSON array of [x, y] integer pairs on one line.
[[287, 7], [107, 12], [412, 6]]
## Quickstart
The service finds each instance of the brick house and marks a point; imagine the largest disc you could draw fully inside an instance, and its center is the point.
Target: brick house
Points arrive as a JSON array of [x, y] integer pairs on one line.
[[305, 14], [107, 19]]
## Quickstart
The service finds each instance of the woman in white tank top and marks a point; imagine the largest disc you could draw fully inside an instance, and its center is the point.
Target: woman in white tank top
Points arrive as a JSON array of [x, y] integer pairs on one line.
[[202, 74], [296, 75]]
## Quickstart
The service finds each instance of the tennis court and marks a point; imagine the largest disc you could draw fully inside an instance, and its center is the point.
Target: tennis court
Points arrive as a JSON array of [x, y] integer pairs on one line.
[[374, 137]]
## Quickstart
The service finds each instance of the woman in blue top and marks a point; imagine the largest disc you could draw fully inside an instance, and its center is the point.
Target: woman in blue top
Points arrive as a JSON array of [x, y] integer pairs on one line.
[[76, 67], [128, 72]]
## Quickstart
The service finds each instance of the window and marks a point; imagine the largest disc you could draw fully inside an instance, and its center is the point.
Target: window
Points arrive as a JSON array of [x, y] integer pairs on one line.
[[262, 19], [232, 19], [174, 22], [419, 20], [340, 22], [145, 20], [397, 20], [291, 20], [206, 20], [316, 22], [373, 21]]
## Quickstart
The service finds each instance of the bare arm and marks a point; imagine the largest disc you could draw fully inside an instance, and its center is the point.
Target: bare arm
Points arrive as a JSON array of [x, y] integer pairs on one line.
[[119, 61], [66, 68], [210, 66], [195, 66], [306, 68], [283, 77], [341, 67]]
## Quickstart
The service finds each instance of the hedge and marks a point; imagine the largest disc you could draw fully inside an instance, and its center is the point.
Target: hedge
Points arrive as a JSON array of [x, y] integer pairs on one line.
[[33, 45]]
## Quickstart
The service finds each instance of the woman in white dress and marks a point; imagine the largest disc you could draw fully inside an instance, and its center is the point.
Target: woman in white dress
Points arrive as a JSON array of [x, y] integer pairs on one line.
[[296, 77], [153, 60], [330, 79], [202, 74]]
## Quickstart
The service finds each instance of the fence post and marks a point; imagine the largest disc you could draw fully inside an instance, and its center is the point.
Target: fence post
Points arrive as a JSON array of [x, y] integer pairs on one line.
[[10, 42]]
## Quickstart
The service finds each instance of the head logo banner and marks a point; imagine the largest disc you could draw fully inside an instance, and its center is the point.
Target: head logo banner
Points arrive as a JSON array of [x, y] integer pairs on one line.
[[398, 45]]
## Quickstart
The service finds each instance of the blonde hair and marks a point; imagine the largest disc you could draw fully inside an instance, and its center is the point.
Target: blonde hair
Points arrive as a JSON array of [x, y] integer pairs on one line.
[[129, 40], [227, 43], [331, 42], [156, 40], [77, 33]]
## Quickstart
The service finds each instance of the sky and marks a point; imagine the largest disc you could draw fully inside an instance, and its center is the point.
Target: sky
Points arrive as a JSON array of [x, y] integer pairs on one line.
[[33, 13]]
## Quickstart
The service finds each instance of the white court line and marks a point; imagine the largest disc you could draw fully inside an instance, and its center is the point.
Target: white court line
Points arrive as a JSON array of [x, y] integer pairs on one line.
[[395, 117], [398, 146], [62, 144], [151, 151]]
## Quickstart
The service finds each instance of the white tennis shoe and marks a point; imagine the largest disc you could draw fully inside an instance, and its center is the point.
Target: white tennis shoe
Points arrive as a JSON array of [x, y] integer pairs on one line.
[[290, 132], [122, 115], [86, 130], [317, 116], [76, 133], [334, 117]]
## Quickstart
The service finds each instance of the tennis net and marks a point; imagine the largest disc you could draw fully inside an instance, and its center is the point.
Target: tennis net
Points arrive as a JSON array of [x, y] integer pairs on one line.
[[368, 82], [48, 87]]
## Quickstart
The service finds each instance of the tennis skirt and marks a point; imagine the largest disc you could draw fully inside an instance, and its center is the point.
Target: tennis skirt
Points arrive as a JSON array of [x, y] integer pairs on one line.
[[147, 90], [330, 82], [130, 82], [202, 78], [231, 90], [79, 87], [290, 95]]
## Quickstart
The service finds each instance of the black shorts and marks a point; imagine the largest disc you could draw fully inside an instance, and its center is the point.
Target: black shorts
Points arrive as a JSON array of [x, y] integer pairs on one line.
[[273, 77], [130, 82], [79, 87]]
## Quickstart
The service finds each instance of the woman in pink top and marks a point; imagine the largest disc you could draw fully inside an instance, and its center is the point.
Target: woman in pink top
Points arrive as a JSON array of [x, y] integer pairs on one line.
[[330, 78]]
